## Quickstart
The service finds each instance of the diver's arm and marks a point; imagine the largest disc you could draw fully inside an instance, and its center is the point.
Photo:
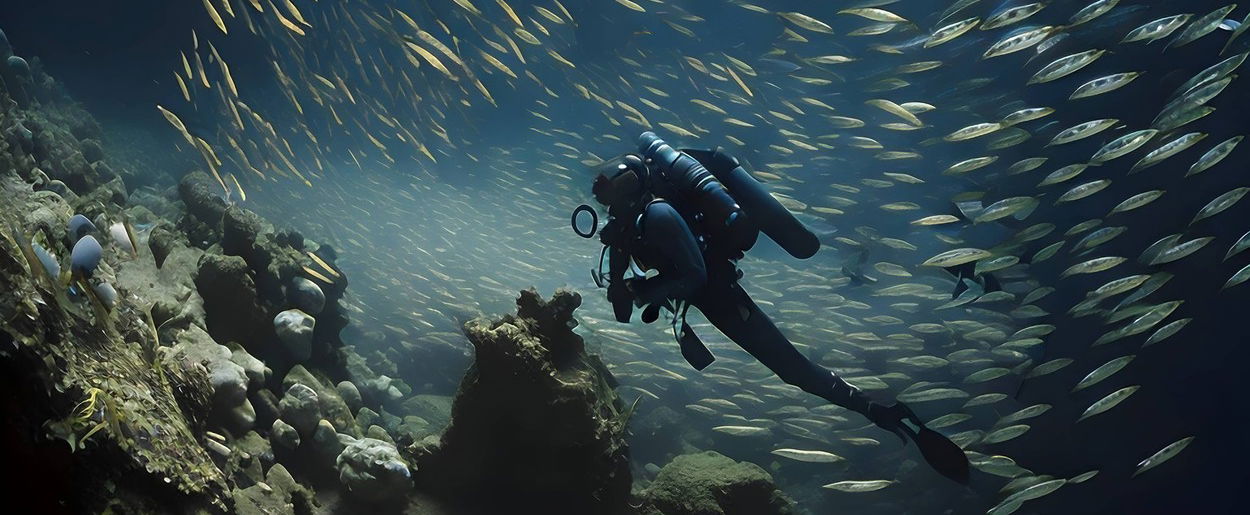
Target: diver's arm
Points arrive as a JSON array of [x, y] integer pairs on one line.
[[665, 230]]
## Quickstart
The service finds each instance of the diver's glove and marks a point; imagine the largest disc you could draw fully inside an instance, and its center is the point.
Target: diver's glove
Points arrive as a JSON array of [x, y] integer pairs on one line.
[[622, 301], [890, 417]]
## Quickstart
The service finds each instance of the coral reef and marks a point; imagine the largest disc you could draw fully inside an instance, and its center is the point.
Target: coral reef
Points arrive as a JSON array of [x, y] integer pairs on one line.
[[259, 275], [535, 421], [117, 413], [709, 483], [142, 361], [188, 359]]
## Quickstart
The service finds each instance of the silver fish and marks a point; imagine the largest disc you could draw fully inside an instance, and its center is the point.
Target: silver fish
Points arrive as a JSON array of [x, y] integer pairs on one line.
[[1082, 131], [1156, 29], [1091, 11], [1167, 150], [1104, 84], [1011, 15], [1220, 203], [1215, 155], [1065, 65], [1202, 26], [1018, 40], [1123, 145]]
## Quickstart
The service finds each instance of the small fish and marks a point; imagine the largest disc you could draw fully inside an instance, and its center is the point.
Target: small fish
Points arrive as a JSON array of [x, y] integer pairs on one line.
[[1091, 11], [803, 21], [875, 14], [1082, 130], [1215, 155], [1105, 84], [1123, 145], [1065, 66], [1012, 15], [1018, 40], [1136, 201], [1026, 115], [949, 32], [1156, 29], [1103, 371], [807, 456], [1169, 149], [1239, 277], [1004, 434], [1168, 452], [973, 131], [1166, 331], [1083, 190], [212, 13], [1110, 401], [750, 431], [1063, 174], [1093, 266], [1220, 203], [957, 257], [859, 486], [1202, 26]]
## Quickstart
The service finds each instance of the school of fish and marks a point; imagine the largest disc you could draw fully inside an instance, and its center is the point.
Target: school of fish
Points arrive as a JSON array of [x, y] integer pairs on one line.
[[882, 124]]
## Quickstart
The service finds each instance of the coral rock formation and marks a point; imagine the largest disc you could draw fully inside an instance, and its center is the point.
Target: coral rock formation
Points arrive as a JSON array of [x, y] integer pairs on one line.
[[710, 483], [372, 470], [535, 421]]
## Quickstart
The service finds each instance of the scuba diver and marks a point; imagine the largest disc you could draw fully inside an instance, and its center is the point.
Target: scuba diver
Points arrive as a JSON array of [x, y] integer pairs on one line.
[[690, 215]]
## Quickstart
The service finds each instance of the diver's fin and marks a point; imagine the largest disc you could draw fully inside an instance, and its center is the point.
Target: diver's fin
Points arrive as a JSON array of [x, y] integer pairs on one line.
[[942, 454], [990, 283], [960, 287], [970, 209]]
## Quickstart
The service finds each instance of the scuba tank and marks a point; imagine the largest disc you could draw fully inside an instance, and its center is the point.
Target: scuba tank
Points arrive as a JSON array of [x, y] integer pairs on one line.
[[735, 205], [690, 183]]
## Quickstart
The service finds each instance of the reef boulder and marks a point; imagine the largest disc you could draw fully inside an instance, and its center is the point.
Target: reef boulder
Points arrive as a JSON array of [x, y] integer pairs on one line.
[[373, 470], [230, 304], [306, 296], [295, 329], [230, 406], [535, 421], [301, 408], [709, 483]]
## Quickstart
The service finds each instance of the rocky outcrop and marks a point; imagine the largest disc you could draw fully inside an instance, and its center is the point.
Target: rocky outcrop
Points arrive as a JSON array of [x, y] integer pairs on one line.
[[710, 483], [163, 397], [331, 406], [229, 380], [267, 272], [535, 422], [373, 470], [295, 330], [233, 311]]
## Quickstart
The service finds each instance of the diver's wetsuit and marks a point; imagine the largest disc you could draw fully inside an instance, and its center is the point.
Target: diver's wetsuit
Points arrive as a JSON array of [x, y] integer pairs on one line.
[[707, 279]]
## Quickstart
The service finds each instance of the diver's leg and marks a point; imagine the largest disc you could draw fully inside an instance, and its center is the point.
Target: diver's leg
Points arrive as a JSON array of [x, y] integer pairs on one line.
[[730, 309]]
